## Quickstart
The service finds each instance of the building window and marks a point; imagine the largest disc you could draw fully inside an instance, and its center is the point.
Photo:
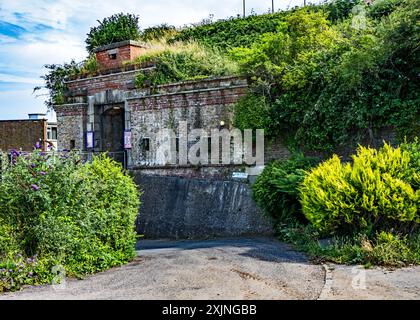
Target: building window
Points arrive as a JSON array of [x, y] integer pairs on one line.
[[72, 144], [54, 133], [145, 143], [112, 56]]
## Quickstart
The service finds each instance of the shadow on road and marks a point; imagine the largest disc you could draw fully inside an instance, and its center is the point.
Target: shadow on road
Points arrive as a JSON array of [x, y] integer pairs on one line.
[[265, 249]]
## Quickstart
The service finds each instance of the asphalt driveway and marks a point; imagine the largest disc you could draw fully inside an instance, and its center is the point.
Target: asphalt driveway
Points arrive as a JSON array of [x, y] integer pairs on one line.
[[246, 268]]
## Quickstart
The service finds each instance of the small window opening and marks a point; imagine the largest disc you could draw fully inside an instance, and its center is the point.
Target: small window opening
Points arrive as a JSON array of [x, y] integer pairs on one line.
[[112, 56], [209, 145], [146, 144], [72, 144]]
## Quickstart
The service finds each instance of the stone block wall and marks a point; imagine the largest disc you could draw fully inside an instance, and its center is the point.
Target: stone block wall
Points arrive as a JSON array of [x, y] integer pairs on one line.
[[202, 104], [71, 120]]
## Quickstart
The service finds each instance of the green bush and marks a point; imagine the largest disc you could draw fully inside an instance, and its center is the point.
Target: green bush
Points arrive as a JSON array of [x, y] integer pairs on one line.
[[276, 189], [61, 211], [380, 8], [90, 65], [16, 271], [374, 193]]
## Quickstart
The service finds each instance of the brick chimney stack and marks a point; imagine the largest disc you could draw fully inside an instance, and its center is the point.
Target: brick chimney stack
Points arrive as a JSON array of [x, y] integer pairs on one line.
[[113, 55]]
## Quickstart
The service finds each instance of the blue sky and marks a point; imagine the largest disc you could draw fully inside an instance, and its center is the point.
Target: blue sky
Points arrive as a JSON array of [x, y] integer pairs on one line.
[[38, 32]]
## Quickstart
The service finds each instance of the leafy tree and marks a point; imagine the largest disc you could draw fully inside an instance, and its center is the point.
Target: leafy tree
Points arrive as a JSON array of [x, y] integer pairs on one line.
[[118, 27], [54, 81]]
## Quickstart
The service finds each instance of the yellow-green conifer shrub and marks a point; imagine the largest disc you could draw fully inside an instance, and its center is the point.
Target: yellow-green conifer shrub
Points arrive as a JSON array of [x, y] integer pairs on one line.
[[374, 192]]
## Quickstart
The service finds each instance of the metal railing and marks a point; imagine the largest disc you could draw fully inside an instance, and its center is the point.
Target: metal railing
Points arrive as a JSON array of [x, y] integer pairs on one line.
[[6, 158]]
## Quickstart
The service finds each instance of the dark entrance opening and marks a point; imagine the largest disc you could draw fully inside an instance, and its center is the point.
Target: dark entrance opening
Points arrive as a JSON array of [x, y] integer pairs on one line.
[[112, 128]]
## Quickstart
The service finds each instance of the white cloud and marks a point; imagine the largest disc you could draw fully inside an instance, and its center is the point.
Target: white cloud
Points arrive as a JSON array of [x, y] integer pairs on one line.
[[17, 79]]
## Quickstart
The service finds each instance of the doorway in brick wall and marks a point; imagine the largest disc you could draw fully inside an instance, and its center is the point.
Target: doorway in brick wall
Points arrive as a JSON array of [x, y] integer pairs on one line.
[[112, 132]]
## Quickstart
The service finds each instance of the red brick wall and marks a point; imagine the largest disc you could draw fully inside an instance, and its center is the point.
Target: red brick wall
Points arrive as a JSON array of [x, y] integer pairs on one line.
[[217, 97], [124, 53], [22, 134], [117, 81]]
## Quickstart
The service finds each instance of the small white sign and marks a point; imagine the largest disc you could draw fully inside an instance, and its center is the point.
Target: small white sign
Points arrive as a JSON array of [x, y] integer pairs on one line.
[[240, 175], [127, 139], [89, 140]]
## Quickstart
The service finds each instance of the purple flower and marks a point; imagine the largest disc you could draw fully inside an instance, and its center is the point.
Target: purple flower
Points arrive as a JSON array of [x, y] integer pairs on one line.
[[42, 173], [34, 187], [33, 165]]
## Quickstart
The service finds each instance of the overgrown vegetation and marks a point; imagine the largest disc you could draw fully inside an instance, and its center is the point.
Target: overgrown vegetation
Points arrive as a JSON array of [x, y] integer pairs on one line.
[[335, 81], [118, 27], [158, 33], [231, 33], [383, 249], [59, 213], [234, 32], [55, 81], [369, 208], [179, 62], [276, 189]]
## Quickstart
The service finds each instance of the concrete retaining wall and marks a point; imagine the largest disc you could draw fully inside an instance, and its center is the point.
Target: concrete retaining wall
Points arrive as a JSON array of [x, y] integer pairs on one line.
[[174, 207]]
